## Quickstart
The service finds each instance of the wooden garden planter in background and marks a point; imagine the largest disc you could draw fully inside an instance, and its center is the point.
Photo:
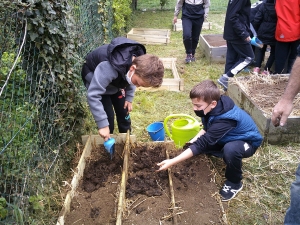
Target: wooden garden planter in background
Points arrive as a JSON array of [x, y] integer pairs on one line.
[[150, 36], [169, 84], [214, 47]]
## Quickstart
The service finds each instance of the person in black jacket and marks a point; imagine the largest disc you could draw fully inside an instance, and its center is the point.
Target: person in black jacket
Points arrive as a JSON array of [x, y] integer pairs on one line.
[[237, 35], [193, 14], [111, 74], [228, 132], [264, 23]]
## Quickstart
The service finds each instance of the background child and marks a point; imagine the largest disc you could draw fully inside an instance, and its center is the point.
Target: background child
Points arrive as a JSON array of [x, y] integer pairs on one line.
[[193, 14], [237, 35], [111, 74], [228, 132], [264, 23]]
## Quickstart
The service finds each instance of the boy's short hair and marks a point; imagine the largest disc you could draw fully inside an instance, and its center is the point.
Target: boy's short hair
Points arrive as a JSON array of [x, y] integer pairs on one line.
[[206, 90], [150, 68]]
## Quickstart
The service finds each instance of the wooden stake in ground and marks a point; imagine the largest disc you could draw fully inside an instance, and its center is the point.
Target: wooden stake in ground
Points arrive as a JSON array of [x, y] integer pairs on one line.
[[173, 204], [123, 180]]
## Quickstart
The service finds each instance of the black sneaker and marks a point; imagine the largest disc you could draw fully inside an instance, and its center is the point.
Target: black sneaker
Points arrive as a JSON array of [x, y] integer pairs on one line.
[[188, 58], [223, 81], [230, 190]]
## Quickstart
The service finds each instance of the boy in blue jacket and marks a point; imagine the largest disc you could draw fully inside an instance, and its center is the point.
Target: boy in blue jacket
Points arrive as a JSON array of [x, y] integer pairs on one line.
[[237, 35], [228, 132]]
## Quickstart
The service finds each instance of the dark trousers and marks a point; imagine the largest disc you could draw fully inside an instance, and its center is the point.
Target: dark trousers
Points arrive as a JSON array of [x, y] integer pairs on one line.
[[191, 31], [232, 153], [115, 104], [238, 56], [260, 55], [285, 54]]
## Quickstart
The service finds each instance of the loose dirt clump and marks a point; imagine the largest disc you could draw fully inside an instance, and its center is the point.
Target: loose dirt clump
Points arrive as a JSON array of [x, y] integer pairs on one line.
[[193, 187], [143, 178], [96, 172], [148, 195], [97, 195]]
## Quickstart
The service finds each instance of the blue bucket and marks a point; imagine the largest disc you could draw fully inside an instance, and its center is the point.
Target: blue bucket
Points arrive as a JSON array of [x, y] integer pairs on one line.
[[156, 131]]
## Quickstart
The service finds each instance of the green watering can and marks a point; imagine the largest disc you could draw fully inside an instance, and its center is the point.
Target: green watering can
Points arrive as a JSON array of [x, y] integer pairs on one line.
[[183, 129]]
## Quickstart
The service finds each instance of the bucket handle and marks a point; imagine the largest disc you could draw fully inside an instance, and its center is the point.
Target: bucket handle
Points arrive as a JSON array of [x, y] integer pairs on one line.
[[159, 128], [175, 115]]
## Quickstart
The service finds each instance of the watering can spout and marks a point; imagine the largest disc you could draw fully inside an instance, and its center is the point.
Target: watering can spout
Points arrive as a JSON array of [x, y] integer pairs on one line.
[[182, 129]]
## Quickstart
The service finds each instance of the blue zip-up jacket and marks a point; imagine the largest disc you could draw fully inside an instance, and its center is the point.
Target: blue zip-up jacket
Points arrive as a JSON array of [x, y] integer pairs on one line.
[[237, 21], [226, 123]]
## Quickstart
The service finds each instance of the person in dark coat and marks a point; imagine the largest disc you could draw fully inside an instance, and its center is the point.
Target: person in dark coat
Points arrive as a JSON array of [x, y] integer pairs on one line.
[[237, 35], [264, 23], [193, 14], [228, 132]]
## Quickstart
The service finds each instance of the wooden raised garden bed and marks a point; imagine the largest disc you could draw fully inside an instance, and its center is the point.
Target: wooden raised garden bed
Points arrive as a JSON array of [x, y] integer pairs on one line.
[[171, 81], [214, 47], [150, 36], [258, 95], [128, 190]]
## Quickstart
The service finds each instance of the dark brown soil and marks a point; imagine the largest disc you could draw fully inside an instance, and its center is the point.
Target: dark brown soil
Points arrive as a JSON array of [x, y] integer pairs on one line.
[[148, 198]]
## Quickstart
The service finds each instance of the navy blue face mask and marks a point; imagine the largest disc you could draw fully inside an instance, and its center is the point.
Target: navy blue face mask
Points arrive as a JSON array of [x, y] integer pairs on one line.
[[200, 113]]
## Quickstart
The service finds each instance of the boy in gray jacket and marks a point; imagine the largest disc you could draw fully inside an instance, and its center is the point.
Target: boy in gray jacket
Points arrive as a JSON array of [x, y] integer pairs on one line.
[[111, 74]]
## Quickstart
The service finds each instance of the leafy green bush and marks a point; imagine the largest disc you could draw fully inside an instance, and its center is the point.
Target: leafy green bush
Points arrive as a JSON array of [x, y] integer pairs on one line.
[[122, 13]]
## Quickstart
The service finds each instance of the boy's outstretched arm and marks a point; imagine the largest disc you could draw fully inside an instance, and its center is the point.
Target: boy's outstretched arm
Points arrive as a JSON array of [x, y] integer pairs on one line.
[[170, 162], [201, 132]]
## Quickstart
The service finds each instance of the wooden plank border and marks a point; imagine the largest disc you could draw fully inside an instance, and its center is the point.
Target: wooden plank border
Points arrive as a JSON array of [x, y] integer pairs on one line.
[[150, 36], [88, 141]]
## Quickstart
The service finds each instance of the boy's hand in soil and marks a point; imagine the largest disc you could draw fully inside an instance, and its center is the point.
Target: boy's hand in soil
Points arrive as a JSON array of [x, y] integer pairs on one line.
[[165, 164], [170, 162]]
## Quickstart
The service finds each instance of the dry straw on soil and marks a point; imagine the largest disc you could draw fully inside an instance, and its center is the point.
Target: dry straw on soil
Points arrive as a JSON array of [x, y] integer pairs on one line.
[[265, 91]]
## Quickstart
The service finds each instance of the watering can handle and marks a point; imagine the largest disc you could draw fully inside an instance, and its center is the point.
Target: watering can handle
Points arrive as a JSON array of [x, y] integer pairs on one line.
[[172, 116]]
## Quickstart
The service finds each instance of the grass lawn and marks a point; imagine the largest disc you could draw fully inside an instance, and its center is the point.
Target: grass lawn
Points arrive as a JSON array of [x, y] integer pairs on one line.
[[267, 175]]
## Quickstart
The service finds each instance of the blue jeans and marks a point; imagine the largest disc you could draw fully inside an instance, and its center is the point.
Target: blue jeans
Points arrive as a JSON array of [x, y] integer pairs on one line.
[[292, 216]]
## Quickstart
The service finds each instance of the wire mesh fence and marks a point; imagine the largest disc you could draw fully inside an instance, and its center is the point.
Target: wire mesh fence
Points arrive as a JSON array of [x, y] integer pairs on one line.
[[34, 128], [42, 46]]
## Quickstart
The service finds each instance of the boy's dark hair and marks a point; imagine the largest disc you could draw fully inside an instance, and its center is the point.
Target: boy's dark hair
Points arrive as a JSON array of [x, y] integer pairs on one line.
[[206, 91], [150, 68]]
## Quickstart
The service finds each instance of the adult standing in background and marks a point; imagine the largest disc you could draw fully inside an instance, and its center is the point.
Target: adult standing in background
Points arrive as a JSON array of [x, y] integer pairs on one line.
[[193, 14], [237, 35], [287, 34], [280, 114]]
